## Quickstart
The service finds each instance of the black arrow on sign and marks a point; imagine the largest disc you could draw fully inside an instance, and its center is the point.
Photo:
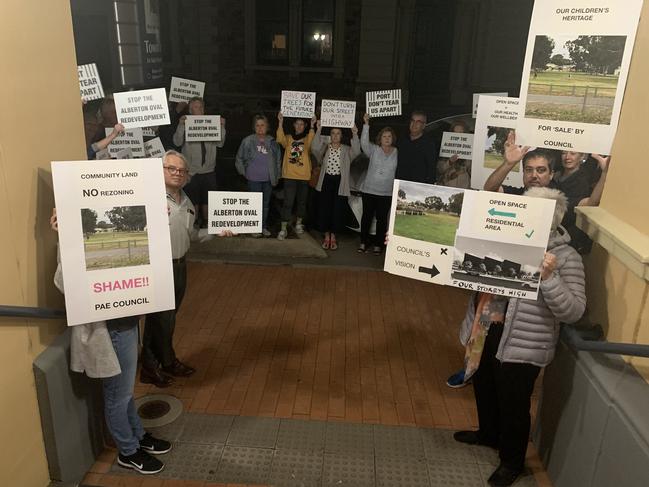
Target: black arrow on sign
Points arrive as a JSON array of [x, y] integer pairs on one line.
[[432, 271]]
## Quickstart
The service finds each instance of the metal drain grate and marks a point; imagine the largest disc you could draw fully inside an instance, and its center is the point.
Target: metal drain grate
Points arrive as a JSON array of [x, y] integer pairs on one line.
[[157, 410]]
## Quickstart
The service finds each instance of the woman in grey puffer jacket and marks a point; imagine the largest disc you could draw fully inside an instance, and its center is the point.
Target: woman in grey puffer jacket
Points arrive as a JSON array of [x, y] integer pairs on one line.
[[515, 350]]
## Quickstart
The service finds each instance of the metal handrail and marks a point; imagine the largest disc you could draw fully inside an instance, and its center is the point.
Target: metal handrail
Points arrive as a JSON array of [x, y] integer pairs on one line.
[[30, 312], [587, 341]]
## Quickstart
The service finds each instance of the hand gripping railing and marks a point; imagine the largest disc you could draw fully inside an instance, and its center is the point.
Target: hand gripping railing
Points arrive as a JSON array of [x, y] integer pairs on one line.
[[29, 312], [587, 339]]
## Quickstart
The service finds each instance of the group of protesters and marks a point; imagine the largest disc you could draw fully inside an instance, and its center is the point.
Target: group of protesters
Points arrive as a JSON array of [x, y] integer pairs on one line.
[[508, 340]]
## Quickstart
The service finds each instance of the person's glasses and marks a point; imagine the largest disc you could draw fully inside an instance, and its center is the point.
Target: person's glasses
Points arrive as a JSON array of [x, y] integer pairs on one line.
[[173, 170]]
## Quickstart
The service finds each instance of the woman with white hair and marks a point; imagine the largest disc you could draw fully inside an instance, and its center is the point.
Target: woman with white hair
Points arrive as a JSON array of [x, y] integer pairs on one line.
[[518, 338]]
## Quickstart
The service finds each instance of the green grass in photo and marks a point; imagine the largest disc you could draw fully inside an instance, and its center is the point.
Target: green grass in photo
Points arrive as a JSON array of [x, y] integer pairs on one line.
[[114, 262], [115, 240], [492, 160], [563, 82], [436, 228], [569, 113]]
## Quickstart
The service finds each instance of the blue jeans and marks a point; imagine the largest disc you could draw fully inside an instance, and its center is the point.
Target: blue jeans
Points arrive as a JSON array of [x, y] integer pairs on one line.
[[119, 407], [266, 189]]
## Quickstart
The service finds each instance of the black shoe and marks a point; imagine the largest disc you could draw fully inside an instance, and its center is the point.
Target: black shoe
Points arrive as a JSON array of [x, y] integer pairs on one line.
[[141, 462], [154, 445], [179, 369], [471, 438], [155, 377], [504, 476]]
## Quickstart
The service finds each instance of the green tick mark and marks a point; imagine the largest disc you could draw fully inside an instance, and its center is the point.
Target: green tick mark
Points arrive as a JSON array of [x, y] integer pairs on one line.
[[529, 235]]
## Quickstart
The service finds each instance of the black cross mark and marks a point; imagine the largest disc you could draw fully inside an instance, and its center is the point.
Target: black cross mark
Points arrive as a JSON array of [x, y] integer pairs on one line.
[[443, 251]]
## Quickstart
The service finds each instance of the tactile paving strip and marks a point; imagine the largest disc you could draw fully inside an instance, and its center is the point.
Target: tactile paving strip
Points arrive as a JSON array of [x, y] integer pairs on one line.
[[244, 465], [349, 437], [254, 432], [525, 480], [399, 441], [454, 474], [401, 471], [293, 468], [201, 428], [486, 455], [301, 435], [439, 445], [170, 432], [343, 470]]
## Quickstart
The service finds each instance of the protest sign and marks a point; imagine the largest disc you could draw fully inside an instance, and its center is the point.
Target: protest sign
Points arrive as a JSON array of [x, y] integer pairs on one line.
[[89, 82], [497, 117], [423, 222], [202, 128], [103, 155], [149, 132], [337, 113], [154, 148], [298, 104], [385, 103], [143, 108], [574, 74], [476, 99], [456, 144], [185, 89], [500, 243], [125, 153], [129, 139], [240, 212], [114, 238]]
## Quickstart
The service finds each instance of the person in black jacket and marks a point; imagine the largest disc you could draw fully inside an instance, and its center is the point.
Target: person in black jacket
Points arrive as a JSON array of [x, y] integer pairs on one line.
[[417, 152]]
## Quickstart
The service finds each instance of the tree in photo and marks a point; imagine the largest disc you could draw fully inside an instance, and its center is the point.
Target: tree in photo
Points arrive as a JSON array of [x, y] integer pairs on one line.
[[501, 134], [455, 203], [128, 218], [559, 60], [88, 221], [402, 194], [597, 54], [434, 203], [543, 47]]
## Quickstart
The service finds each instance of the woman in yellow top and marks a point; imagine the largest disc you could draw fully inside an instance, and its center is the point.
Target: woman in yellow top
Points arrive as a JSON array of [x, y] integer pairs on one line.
[[296, 170]]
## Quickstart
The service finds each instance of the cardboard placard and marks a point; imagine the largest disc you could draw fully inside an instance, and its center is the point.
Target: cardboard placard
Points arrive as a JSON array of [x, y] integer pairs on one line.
[[183, 90], [239, 212], [574, 75], [149, 132], [143, 108], [497, 116], [476, 99], [338, 113], [129, 139], [89, 82], [202, 128], [114, 238], [154, 148], [298, 104], [456, 144], [384, 103]]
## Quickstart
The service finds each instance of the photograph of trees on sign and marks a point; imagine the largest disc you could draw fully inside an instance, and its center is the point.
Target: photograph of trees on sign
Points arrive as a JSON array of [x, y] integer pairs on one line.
[[428, 213], [115, 237], [494, 147], [574, 78]]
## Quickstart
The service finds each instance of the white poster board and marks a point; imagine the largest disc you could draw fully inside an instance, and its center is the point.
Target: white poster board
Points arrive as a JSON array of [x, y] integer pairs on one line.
[[454, 144], [385, 103], [497, 116], [202, 128], [114, 238], [143, 108], [125, 153], [476, 99], [89, 82], [149, 132], [129, 139], [500, 243], [337, 113], [154, 148], [298, 104], [574, 75], [240, 212], [182, 89], [423, 222]]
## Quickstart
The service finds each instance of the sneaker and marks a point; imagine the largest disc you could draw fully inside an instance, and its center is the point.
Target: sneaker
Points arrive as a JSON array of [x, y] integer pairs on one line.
[[456, 381], [299, 228], [265, 233], [361, 249], [281, 235], [141, 462], [376, 250], [153, 445]]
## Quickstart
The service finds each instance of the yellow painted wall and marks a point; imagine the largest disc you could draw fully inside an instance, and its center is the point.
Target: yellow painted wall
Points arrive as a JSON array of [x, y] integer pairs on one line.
[[617, 298], [40, 121]]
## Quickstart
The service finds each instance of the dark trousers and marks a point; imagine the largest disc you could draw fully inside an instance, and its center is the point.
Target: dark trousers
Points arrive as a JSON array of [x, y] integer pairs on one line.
[[157, 343], [378, 206], [294, 189], [331, 206], [502, 394]]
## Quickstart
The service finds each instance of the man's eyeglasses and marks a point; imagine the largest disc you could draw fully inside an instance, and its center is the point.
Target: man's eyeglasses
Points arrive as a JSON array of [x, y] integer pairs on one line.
[[173, 170]]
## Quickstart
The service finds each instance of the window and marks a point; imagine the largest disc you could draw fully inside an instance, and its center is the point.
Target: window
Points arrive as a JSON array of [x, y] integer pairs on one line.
[[272, 31], [317, 32]]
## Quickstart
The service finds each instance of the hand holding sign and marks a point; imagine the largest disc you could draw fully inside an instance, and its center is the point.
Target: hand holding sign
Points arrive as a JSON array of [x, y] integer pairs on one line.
[[514, 153], [548, 265], [602, 161]]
